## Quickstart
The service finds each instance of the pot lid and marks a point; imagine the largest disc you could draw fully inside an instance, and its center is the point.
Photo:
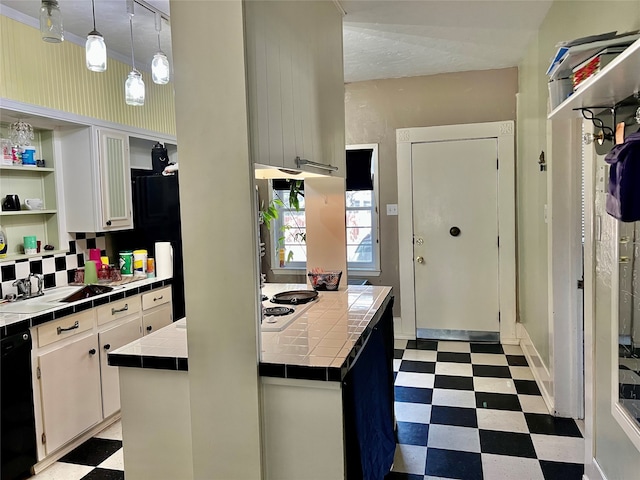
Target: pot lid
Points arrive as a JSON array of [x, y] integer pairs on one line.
[[295, 297]]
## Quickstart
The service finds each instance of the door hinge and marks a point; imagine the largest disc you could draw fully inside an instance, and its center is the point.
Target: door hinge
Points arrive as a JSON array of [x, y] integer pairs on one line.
[[581, 284], [38, 373], [43, 439], [498, 317], [497, 163]]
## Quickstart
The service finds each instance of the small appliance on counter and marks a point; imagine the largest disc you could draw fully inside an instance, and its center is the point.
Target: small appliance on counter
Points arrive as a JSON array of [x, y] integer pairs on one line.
[[11, 203]]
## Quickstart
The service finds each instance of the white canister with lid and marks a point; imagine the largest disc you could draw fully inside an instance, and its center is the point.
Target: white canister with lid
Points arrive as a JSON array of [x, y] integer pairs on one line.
[[140, 263]]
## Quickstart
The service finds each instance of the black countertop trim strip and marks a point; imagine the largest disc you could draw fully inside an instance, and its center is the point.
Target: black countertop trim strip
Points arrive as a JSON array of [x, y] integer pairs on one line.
[[63, 312], [132, 292], [81, 307], [100, 301], [183, 364], [40, 319], [160, 363], [303, 372], [15, 328], [272, 370], [116, 296], [125, 360], [145, 288]]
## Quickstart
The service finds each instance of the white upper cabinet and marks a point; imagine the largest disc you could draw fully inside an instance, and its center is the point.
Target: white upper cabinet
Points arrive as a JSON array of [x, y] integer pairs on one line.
[[295, 84], [97, 179]]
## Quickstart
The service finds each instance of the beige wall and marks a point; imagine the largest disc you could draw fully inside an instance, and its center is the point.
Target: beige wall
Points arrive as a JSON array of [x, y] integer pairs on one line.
[[566, 20], [375, 109]]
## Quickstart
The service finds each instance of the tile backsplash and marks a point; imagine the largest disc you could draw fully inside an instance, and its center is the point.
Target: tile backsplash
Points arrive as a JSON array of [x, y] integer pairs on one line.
[[58, 269]]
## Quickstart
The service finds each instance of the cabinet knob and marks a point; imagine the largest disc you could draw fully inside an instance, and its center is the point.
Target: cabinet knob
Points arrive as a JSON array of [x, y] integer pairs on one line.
[[107, 346], [149, 328], [92, 351], [108, 223]]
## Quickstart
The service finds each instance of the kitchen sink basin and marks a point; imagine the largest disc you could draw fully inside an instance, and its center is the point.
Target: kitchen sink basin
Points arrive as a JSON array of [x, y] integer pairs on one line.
[[52, 298]]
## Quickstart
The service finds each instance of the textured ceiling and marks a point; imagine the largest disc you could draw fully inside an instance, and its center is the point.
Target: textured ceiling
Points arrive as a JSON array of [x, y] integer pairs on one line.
[[382, 38], [390, 39]]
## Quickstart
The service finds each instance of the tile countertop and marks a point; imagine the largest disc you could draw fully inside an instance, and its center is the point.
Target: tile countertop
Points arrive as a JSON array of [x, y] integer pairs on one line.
[[317, 345], [11, 323]]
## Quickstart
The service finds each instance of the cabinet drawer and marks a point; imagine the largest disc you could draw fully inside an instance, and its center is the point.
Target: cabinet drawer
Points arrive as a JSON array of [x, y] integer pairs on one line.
[[121, 308], [65, 327], [156, 297]]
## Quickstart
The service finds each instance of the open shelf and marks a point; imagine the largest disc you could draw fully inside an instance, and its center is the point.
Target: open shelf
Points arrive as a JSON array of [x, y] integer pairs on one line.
[[26, 169], [19, 256], [27, 212], [614, 83]]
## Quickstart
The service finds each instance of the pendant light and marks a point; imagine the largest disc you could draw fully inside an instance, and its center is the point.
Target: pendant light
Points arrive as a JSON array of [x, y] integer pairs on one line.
[[95, 49], [160, 71], [134, 86], [51, 22]]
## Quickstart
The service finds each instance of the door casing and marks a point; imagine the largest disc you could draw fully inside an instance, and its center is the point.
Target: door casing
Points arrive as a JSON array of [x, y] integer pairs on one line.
[[503, 132]]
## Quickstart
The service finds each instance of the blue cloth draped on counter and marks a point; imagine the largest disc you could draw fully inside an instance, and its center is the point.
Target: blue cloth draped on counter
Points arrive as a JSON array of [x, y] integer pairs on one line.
[[368, 405]]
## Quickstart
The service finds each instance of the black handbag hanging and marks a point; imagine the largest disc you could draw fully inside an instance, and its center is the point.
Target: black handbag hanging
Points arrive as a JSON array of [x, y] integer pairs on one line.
[[159, 158]]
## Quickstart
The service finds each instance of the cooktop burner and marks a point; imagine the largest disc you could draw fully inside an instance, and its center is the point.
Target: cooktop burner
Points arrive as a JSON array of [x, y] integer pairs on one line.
[[277, 311]]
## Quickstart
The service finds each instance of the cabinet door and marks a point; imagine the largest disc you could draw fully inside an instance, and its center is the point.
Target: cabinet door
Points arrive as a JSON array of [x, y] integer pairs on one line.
[[70, 390], [115, 175], [109, 340], [157, 318]]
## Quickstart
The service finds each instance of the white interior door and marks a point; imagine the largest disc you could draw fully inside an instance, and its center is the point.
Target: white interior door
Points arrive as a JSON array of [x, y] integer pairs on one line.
[[455, 226]]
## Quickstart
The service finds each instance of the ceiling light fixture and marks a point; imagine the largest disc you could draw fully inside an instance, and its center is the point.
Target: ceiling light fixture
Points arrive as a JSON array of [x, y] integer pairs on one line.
[[160, 72], [134, 86], [51, 22], [95, 49]]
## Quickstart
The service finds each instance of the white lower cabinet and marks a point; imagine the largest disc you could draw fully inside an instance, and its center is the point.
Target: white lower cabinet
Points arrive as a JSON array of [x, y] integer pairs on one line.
[[70, 391], [108, 340], [156, 318]]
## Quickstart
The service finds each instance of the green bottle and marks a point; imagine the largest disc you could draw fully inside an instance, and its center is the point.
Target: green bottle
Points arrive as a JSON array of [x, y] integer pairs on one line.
[[3, 243]]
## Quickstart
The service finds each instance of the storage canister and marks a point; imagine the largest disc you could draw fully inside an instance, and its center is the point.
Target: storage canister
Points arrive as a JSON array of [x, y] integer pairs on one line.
[[126, 263], [140, 263], [29, 156]]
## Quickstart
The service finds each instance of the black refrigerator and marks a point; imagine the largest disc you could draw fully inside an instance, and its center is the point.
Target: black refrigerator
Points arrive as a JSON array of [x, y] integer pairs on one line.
[[156, 218]]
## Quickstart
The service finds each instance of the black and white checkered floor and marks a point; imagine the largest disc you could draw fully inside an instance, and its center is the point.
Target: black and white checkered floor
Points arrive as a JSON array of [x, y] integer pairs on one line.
[[464, 411]]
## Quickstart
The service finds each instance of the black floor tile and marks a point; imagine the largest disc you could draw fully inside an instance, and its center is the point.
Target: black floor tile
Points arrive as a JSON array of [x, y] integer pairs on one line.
[[413, 394], [517, 360], [418, 367], [507, 443], [395, 374], [486, 348], [498, 401], [104, 474], [453, 464], [561, 471], [422, 344], [397, 353], [454, 357], [550, 425], [412, 433], [92, 452], [460, 417], [453, 382], [402, 476], [491, 371], [527, 387]]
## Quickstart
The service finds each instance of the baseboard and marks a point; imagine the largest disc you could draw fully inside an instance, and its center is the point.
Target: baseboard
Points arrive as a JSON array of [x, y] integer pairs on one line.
[[592, 471], [540, 372], [398, 333]]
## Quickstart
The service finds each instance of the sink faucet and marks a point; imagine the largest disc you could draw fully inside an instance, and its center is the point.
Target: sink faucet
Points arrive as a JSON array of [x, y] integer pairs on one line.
[[40, 278], [24, 286]]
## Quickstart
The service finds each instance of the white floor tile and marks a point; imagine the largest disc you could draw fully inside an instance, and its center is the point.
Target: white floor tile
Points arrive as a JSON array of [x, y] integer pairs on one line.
[[463, 347], [501, 467], [521, 373], [420, 355], [453, 398], [399, 344], [533, 404], [64, 471], [396, 364], [558, 449], [512, 350], [456, 369], [412, 412], [112, 432], [410, 459], [494, 385], [488, 359], [502, 420], [115, 461], [412, 379], [449, 437]]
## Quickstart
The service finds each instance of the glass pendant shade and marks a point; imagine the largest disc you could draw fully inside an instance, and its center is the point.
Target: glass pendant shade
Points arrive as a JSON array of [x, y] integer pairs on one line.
[[51, 22], [96, 52], [160, 69], [134, 89]]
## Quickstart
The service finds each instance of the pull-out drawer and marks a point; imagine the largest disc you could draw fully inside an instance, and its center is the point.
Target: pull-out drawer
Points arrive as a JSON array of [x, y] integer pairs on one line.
[[65, 327], [119, 309], [156, 297]]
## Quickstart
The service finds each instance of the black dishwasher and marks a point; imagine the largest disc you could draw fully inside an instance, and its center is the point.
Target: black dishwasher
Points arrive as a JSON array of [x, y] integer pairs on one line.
[[16, 397]]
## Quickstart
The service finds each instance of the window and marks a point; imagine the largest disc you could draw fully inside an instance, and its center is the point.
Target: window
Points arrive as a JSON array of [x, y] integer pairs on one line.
[[289, 229]]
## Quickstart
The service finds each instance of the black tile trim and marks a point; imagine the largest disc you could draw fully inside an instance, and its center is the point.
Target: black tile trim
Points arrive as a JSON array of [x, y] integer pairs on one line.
[[145, 288], [272, 370], [116, 296], [304, 372], [63, 312], [183, 364], [96, 302], [120, 360], [132, 292], [40, 319], [47, 256], [160, 363], [14, 328]]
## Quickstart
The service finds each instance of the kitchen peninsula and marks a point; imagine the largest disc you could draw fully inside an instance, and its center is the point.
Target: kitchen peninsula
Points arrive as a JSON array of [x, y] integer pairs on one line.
[[314, 390]]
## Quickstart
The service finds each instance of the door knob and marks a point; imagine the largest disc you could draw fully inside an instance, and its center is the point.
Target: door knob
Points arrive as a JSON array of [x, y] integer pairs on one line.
[[92, 351], [420, 259], [454, 231]]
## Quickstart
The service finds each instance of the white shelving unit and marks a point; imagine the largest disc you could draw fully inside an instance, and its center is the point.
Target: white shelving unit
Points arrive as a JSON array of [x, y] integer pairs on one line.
[[616, 81], [27, 212]]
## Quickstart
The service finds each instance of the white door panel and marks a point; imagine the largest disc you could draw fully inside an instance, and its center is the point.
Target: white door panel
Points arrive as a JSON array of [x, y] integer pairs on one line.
[[455, 187]]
